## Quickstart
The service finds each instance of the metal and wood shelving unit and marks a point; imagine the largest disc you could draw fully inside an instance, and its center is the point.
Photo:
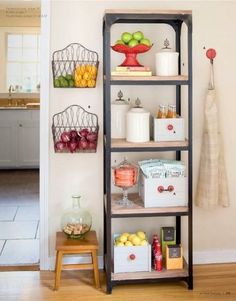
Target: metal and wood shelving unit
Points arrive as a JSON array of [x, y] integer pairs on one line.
[[111, 211]]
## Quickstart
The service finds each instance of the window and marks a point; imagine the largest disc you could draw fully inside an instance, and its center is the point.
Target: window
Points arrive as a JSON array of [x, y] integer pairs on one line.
[[23, 52]]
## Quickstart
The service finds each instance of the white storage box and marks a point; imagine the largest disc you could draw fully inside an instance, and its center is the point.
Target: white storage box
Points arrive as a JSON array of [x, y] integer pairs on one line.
[[132, 259], [163, 192], [169, 129]]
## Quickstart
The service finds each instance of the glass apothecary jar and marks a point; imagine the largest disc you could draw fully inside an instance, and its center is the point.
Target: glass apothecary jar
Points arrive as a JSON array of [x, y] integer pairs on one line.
[[76, 222], [125, 176]]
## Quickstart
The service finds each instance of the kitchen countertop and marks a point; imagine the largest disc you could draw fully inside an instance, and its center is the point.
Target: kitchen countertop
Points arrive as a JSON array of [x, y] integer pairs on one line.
[[20, 95], [19, 108]]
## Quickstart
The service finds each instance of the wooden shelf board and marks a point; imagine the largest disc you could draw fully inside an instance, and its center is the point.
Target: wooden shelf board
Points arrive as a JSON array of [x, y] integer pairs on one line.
[[151, 78], [122, 143], [138, 208], [147, 11], [150, 275]]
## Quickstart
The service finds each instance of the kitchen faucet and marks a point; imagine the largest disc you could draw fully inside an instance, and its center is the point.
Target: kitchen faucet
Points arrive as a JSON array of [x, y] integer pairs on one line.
[[10, 90]]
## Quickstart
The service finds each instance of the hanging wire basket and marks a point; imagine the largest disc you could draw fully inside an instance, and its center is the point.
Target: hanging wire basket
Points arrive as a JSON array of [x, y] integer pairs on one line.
[[75, 67], [75, 130]]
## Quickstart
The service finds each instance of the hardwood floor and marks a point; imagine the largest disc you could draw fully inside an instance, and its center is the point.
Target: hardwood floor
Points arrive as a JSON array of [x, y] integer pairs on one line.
[[211, 282]]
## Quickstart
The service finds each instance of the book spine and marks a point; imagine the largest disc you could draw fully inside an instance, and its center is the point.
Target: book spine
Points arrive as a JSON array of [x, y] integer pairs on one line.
[[131, 73], [121, 68]]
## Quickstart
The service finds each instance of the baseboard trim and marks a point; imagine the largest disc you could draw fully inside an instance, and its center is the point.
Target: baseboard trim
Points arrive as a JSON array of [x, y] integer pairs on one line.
[[210, 257]]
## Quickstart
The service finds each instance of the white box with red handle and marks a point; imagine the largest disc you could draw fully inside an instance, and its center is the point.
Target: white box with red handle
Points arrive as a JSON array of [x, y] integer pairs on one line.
[[169, 129], [163, 192], [132, 258]]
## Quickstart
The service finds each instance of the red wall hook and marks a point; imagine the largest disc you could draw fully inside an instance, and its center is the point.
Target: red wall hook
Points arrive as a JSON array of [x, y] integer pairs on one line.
[[211, 53]]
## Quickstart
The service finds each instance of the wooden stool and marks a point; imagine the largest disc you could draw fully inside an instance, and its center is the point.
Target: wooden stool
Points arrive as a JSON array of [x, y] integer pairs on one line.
[[64, 245]]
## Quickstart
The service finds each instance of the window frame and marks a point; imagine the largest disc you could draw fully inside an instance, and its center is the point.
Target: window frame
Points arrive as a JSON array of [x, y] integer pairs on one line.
[[23, 32]]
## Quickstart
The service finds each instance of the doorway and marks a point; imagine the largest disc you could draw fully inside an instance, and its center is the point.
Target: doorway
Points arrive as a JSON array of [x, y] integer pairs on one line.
[[19, 128]]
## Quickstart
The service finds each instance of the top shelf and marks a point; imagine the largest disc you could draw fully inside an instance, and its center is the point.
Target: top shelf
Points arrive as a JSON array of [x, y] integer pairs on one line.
[[170, 17], [147, 11]]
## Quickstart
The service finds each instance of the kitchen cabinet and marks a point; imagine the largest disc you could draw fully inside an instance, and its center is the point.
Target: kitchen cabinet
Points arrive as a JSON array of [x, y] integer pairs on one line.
[[19, 135], [175, 19], [7, 143]]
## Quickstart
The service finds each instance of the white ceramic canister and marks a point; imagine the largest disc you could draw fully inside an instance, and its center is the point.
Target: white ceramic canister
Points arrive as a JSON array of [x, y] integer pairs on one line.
[[119, 109], [138, 124], [167, 61]]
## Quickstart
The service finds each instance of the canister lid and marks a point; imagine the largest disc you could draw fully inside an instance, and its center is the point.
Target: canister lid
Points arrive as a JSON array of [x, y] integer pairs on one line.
[[138, 108], [166, 47], [120, 100]]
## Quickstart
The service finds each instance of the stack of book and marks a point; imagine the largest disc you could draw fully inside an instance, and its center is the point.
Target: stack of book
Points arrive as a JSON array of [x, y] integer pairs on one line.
[[131, 71]]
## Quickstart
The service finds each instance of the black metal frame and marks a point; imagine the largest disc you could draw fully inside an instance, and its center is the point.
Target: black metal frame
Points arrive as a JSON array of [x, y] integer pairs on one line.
[[175, 20]]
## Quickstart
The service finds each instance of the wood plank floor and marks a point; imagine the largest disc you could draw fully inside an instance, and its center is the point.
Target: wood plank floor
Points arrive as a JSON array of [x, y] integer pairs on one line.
[[211, 282]]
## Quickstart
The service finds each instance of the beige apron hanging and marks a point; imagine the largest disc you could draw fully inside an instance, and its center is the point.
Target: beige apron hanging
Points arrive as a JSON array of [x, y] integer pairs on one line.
[[212, 188]]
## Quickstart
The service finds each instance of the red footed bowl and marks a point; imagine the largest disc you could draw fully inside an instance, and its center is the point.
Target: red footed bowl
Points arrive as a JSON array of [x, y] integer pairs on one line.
[[131, 53]]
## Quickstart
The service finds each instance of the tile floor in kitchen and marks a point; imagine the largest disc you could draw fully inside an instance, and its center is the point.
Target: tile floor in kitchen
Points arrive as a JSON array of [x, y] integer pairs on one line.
[[19, 217]]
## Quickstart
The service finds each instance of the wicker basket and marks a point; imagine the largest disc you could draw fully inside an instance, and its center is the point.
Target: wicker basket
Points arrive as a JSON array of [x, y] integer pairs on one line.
[[75, 67], [75, 130]]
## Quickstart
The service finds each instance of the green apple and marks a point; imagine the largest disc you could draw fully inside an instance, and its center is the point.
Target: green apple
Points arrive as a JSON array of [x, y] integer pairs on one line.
[[138, 35], [119, 42], [126, 37], [145, 42], [133, 43]]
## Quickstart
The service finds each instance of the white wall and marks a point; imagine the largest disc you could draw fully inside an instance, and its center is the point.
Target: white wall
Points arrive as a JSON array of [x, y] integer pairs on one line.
[[213, 26]]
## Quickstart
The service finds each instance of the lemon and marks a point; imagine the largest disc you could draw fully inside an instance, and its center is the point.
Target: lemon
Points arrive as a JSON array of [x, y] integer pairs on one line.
[[120, 244], [144, 243], [91, 83], [123, 238], [87, 75], [141, 235], [130, 237], [78, 83], [82, 69], [128, 243], [78, 77], [83, 83], [93, 70], [136, 240], [126, 234], [88, 68]]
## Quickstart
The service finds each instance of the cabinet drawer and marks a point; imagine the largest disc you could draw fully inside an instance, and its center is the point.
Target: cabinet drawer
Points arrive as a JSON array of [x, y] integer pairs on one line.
[[163, 192], [169, 129], [132, 259]]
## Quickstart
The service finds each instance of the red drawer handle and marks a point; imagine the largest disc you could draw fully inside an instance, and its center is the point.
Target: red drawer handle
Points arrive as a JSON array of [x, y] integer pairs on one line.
[[132, 257], [170, 127], [170, 188]]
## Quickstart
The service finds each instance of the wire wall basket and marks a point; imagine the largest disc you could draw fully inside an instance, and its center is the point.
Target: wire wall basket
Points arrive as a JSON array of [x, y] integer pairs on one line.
[[75, 130], [75, 67]]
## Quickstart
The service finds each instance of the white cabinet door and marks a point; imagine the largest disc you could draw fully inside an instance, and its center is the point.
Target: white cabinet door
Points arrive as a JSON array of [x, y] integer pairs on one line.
[[8, 143], [28, 143]]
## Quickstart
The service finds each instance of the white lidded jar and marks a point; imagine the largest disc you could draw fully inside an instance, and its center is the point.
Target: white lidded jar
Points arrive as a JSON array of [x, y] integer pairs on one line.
[[138, 124], [119, 109], [167, 61]]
